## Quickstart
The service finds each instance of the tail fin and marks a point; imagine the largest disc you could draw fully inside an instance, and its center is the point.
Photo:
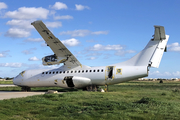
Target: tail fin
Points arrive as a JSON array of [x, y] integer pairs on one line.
[[151, 55]]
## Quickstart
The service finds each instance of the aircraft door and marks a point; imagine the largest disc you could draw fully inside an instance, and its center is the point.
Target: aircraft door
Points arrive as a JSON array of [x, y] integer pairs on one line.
[[109, 74]]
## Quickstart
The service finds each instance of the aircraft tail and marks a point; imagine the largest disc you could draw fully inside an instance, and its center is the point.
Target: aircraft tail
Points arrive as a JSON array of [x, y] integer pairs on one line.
[[152, 54]]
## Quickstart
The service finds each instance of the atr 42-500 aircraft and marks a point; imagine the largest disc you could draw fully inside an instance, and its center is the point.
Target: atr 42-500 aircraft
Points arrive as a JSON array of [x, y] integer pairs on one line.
[[75, 75]]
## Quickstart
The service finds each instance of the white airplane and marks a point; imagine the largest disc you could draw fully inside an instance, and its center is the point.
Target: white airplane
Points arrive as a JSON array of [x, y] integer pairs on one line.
[[75, 75]]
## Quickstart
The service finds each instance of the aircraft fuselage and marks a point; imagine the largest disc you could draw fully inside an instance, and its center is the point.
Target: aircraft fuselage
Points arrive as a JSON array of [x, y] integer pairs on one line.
[[79, 77]]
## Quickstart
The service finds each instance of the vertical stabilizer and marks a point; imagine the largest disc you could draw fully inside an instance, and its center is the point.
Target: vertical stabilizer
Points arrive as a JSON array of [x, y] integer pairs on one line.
[[151, 55]]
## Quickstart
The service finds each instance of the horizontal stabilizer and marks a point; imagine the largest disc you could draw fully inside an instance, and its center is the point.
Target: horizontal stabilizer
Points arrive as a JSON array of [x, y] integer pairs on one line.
[[159, 33]]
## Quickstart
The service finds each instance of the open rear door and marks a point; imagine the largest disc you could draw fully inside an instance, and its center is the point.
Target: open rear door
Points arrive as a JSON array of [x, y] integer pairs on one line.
[[109, 74]]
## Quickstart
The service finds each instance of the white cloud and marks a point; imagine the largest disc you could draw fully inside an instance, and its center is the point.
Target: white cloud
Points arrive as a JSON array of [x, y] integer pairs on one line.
[[75, 33], [3, 5], [29, 51], [100, 32], [91, 41], [25, 24], [34, 40], [28, 13], [174, 47], [59, 6], [123, 52], [177, 73], [166, 74], [17, 33], [63, 17], [4, 53], [71, 42], [14, 65], [33, 59], [91, 58], [43, 44], [53, 24], [81, 7], [99, 47], [82, 33]]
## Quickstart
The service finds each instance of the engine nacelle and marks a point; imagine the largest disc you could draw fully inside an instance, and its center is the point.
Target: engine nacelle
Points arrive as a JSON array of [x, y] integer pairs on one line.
[[53, 60], [77, 82]]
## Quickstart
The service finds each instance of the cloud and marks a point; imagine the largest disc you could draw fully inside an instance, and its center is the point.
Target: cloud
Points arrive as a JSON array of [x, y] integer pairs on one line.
[[91, 41], [164, 74], [82, 33], [14, 65], [34, 40], [3, 5], [177, 73], [174, 47], [63, 17], [53, 24], [23, 24], [43, 44], [100, 32], [59, 6], [29, 51], [71, 42], [4, 53], [33, 59], [123, 52], [91, 58], [28, 13], [99, 47], [17, 33], [81, 7]]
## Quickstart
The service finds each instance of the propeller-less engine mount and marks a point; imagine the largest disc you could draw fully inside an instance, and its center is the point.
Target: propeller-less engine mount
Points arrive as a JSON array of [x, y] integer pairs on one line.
[[52, 60]]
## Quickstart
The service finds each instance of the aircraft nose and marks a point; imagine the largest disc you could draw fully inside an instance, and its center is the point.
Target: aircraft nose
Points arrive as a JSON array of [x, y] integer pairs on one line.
[[16, 79]]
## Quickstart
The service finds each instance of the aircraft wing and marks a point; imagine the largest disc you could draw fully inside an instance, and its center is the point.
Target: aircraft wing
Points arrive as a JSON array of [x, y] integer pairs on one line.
[[55, 44]]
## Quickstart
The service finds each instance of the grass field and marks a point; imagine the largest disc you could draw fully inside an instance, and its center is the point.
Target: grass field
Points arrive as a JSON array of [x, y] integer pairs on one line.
[[6, 82], [132, 100]]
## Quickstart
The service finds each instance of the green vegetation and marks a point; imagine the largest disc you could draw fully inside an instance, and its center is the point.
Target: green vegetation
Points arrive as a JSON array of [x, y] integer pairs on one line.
[[132, 100], [6, 82]]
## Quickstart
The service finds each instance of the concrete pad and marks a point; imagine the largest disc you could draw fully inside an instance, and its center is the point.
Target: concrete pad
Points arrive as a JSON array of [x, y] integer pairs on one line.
[[10, 94]]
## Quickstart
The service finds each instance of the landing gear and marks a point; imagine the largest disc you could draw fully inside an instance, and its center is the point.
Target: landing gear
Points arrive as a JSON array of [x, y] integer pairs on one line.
[[25, 89], [92, 88], [106, 88]]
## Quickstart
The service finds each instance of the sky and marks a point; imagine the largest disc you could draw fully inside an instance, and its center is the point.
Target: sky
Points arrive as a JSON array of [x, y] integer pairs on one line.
[[98, 33]]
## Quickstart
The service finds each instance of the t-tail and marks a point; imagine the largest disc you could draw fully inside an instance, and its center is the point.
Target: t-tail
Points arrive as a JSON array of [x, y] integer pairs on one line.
[[152, 54]]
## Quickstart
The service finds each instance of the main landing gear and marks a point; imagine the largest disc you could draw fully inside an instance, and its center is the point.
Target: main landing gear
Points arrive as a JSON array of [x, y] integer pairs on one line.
[[94, 88], [25, 89]]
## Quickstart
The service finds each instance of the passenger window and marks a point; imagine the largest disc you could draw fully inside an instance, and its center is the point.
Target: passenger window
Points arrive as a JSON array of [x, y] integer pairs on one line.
[[67, 71], [75, 71], [42, 72], [90, 70], [79, 71], [64, 71], [46, 72], [86, 70], [60, 72], [97, 70], [49, 72], [94, 70], [53, 72], [71, 71], [56, 72], [102, 70], [82, 71]]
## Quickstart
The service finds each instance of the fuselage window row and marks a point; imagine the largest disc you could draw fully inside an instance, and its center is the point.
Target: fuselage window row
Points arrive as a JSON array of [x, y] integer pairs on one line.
[[83, 71]]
